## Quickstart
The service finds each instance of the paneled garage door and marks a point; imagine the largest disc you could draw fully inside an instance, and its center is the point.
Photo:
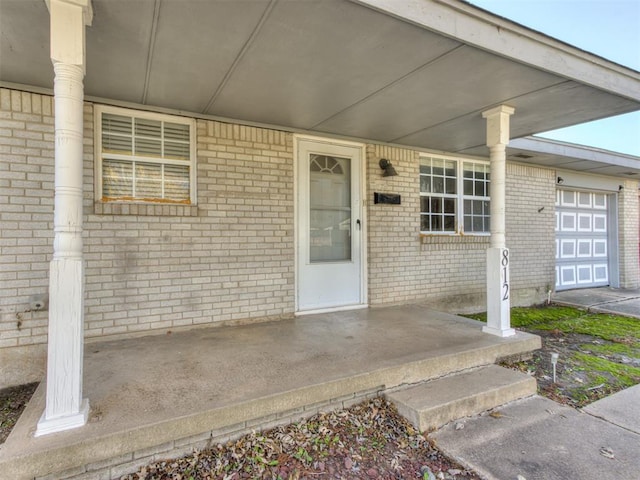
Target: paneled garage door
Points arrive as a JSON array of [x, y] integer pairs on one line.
[[582, 240]]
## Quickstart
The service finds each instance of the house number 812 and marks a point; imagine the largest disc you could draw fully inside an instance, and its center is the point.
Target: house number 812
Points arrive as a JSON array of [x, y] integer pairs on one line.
[[505, 274]]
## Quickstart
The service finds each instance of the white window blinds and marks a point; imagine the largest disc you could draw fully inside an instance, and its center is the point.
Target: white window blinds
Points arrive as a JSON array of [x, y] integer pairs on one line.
[[145, 159]]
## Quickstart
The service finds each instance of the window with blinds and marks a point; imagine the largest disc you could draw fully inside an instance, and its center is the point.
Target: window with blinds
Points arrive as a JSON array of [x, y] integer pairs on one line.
[[144, 157]]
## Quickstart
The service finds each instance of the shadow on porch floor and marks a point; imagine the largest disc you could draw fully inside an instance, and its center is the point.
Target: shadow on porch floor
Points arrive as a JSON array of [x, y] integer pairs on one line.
[[154, 394]]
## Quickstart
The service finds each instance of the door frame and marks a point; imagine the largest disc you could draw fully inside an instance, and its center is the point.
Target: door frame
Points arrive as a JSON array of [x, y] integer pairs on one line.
[[297, 138]]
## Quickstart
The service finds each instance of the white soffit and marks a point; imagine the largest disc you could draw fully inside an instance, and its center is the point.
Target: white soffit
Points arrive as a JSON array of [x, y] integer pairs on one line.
[[561, 155], [414, 72], [475, 26]]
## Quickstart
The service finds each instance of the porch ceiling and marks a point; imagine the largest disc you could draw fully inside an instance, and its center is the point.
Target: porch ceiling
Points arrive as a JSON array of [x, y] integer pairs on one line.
[[417, 73]]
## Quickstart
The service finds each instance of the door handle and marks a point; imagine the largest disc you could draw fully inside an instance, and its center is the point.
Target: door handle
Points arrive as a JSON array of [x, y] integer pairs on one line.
[[359, 224]]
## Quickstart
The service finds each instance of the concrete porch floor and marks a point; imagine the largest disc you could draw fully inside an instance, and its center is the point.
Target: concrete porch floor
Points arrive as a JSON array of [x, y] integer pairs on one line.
[[151, 391]]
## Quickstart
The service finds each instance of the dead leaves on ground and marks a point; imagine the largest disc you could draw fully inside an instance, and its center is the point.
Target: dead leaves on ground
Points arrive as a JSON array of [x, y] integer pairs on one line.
[[369, 440]]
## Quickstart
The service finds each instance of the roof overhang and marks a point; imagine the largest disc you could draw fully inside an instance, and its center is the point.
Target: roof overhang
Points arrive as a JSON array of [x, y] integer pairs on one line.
[[568, 156], [416, 73]]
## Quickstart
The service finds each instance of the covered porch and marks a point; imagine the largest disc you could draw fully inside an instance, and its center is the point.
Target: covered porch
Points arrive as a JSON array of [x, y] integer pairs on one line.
[[161, 396], [224, 62]]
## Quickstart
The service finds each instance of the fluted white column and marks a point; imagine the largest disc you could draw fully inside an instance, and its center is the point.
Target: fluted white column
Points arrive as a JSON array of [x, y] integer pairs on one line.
[[498, 259], [65, 407]]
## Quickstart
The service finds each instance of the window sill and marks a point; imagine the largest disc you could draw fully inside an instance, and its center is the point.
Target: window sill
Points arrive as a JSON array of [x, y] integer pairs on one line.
[[145, 209], [453, 238]]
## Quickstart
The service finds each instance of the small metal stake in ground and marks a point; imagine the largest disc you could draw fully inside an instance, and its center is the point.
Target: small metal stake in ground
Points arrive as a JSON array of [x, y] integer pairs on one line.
[[554, 361]]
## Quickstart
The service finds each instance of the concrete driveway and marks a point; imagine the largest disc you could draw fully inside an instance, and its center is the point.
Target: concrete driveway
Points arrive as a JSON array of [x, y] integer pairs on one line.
[[603, 300]]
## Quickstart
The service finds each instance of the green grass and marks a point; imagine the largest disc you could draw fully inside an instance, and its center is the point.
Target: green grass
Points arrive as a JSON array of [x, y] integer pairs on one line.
[[572, 320], [625, 375], [612, 349], [593, 377]]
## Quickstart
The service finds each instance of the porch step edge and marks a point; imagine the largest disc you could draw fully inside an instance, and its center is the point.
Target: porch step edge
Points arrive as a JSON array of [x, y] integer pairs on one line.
[[434, 403]]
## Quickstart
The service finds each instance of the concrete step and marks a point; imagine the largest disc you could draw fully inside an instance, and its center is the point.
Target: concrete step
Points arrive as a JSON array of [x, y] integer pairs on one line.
[[434, 403]]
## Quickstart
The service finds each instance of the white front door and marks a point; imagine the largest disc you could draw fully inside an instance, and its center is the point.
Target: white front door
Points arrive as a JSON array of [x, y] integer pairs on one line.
[[329, 225]]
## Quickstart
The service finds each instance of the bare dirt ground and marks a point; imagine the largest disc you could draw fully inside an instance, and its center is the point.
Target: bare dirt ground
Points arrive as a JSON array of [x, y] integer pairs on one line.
[[12, 403], [586, 370]]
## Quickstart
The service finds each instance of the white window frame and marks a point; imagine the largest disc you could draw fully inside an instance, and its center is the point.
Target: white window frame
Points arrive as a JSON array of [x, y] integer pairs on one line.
[[126, 112], [459, 195]]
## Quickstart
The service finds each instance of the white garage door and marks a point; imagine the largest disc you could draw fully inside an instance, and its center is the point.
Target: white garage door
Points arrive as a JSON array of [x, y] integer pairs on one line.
[[582, 240]]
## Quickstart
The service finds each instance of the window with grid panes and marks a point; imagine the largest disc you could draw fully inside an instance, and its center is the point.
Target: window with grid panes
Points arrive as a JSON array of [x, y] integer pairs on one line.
[[475, 195], [144, 157], [454, 196]]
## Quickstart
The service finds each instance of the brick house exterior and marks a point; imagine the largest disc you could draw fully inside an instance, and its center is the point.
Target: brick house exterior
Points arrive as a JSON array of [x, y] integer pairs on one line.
[[230, 259], [170, 165]]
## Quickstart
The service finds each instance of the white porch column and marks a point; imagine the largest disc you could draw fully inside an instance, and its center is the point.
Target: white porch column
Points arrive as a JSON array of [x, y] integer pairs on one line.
[[498, 287], [65, 408]]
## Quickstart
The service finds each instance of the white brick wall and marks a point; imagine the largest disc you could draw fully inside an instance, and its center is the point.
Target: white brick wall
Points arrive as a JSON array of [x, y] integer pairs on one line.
[[26, 213], [401, 267], [26, 231], [449, 271], [231, 262], [530, 236], [148, 267], [628, 213]]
